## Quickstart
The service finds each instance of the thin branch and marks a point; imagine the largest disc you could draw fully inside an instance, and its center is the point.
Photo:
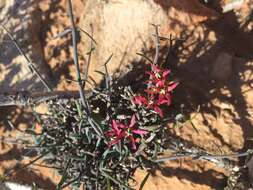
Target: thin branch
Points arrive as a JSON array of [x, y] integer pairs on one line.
[[144, 56], [62, 34], [15, 169], [157, 43], [181, 151], [46, 166], [108, 87], [64, 175], [90, 36], [76, 62], [72, 181], [13, 142], [78, 73], [208, 157], [29, 62], [89, 56], [157, 49], [25, 98], [107, 76], [163, 38]]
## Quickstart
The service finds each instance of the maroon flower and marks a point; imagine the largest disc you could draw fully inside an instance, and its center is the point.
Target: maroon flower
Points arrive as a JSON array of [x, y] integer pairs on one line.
[[158, 90], [140, 100], [150, 104], [158, 76], [121, 131]]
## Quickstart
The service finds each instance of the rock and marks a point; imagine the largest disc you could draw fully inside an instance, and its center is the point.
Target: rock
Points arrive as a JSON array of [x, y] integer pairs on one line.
[[3, 186], [22, 19], [14, 186], [224, 6], [222, 67], [123, 27], [230, 5]]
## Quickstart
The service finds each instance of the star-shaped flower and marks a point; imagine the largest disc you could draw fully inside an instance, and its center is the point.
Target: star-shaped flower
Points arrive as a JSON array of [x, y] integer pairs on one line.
[[121, 132]]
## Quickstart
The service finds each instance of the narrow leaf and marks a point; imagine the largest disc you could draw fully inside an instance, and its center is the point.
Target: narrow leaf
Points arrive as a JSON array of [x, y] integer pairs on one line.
[[64, 176], [109, 59], [144, 56], [194, 127], [61, 34], [108, 182], [80, 29], [144, 181]]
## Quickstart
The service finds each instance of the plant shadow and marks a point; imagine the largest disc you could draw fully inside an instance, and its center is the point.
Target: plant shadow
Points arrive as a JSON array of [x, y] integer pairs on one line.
[[192, 59]]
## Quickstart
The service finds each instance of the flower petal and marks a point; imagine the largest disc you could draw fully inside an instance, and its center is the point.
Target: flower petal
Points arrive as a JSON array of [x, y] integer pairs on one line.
[[159, 111], [139, 132], [151, 90], [155, 68], [160, 83], [168, 97], [172, 86], [140, 100], [113, 142], [115, 127], [122, 126], [133, 121], [162, 101], [152, 75], [166, 73], [109, 133]]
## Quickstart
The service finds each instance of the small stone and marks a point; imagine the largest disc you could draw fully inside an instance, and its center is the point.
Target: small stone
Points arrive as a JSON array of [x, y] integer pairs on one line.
[[222, 67], [230, 5], [236, 169], [212, 36]]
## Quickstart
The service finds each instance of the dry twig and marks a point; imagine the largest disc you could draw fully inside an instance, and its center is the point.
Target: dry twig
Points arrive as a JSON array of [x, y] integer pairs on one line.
[[25, 98], [29, 62]]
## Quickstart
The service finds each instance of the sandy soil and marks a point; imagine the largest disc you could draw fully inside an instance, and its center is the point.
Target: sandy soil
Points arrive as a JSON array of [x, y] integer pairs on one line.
[[224, 121]]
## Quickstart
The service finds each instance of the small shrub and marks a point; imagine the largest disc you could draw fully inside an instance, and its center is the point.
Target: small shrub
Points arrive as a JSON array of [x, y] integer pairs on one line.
[[116, 133]]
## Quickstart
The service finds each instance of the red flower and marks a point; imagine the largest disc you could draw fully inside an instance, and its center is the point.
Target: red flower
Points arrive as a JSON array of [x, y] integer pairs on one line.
[[150, 104], [157, 75], [141, 100], [159, 90], [120, 132]]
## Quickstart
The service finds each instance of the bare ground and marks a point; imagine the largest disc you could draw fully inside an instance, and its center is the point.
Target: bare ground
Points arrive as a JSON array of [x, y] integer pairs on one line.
[[224, 121]]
